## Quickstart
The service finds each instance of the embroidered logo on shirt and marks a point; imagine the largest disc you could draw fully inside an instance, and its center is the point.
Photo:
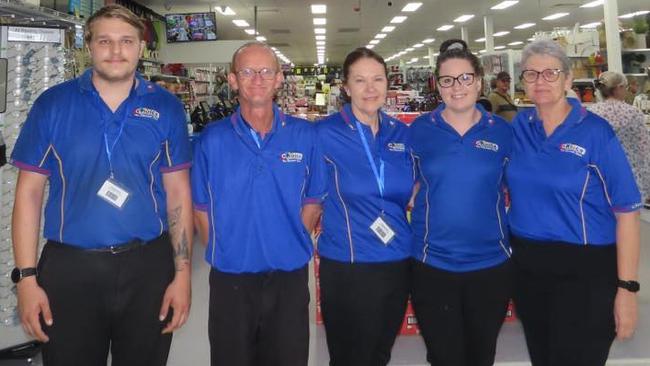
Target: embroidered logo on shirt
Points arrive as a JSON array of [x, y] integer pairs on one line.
[[396, 146], [147, 113], [291, 157], [486, 145], [573, 149]]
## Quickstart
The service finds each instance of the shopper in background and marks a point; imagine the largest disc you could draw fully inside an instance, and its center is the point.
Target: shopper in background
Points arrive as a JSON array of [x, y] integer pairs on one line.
[[500, 99], [574, 221], [631, 92], [115, 150], [628, 123], [461, 276], [250, 179], [365, 242]]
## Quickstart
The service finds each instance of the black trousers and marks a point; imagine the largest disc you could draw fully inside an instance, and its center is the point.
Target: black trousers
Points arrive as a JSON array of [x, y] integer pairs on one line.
[[259, 319], [103, 301], [564, 296], [460, 314], [363, 306]]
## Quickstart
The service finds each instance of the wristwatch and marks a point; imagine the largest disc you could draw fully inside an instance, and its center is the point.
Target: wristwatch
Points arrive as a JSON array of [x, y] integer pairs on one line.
[[632, 286], [18, 274]]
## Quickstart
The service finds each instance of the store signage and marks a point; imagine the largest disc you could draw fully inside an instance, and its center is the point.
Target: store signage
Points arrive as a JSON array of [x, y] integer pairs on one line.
[[29, 34]]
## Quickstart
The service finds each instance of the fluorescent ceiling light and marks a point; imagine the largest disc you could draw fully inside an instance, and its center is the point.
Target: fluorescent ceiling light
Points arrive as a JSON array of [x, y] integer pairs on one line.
[[320, 30], [482, 39], [398, 19], [318, 9], [370, 46], [500, 34], [504, 4], [499, 47], [426, 57], [525, 25], [436, 54], [241, 23], [631, 15], [260, 38], [388, 29], [274, 49], [320, 43], [224, 10], [445, 27], [593, 4], [411, 7], [482, 51], [555, 16], [250, 31], [418, 45], [409, 49], [531, 39], [590, 25], [414, 59], [374, 41], [320, 37], [320, 21], [516, 43], [428, 40], [380, 36], [464, 18]]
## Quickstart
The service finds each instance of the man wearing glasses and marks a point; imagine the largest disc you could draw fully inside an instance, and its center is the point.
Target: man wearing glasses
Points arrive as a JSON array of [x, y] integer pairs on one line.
[[501, 101], [251, 178]]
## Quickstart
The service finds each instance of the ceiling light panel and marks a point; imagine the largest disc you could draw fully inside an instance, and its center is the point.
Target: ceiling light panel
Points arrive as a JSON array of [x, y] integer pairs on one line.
[[428, 40], [318, 9], [555, 16], [516, 43], [445, 27], [500, 34], [388, 29], [225, 10], [320, 30], [374, 41], [525, 25], [411, 7], [241, 23], [320, 37], [464, 18], [320, 21], [482, 39], [398, 19], [504, 4], [593, 4], [380, 36]]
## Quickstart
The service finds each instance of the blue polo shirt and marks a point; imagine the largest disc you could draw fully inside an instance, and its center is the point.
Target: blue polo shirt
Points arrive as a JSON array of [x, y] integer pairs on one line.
[[568, 186], [459, 220], [253, 194], [63, 138], [353, 198]]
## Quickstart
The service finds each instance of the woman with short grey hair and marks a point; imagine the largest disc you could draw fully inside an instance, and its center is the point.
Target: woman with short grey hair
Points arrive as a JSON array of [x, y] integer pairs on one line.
[[574, 221]]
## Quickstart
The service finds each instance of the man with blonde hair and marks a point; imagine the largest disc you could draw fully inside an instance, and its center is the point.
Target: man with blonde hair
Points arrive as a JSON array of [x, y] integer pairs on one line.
[[114, 275]]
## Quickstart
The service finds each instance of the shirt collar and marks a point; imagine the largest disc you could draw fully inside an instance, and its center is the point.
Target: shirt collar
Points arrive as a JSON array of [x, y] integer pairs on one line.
[[486, 117], [238, 122], [576, 115], [142, 86], [349, 118]]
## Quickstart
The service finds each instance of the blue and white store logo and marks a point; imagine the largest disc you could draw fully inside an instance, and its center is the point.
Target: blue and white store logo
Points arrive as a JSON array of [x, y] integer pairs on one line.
[[147, 113], [396, 147], [291, 157], [573, 149], [486, 145]]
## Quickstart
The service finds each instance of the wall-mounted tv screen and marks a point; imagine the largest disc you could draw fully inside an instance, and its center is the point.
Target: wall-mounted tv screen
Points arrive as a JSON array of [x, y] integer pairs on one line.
[[191, 27]]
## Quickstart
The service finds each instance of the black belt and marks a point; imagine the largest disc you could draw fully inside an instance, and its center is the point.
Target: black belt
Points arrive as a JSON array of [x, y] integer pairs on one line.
[[112, 249]]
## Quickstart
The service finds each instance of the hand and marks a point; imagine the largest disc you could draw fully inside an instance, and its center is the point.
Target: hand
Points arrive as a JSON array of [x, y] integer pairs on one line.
[[32, 301], [177, 296], [625, 313]]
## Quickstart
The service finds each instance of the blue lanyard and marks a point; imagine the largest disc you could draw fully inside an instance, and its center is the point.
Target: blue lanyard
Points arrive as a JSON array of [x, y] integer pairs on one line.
[[255, 138], [109, 151], [379, 174]]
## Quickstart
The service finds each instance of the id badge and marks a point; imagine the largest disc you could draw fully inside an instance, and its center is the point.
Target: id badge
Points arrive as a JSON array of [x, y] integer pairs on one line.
[[112, 192], [382, 230]]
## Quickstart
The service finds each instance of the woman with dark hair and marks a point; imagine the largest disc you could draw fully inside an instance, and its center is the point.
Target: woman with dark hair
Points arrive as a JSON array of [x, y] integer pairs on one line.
[[461, 273], [574, 221], [365, 243]]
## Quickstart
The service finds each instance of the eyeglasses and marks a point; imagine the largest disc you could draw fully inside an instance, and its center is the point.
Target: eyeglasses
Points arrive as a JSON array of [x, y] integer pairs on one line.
[[265, 73], [550, 75], [465, 79]]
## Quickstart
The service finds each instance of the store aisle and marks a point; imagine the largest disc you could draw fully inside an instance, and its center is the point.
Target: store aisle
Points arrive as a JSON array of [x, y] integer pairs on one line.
[[190, 346]]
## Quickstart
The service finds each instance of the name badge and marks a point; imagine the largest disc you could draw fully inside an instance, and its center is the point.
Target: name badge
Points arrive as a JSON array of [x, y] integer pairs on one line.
[[382, 230], [113, 193]]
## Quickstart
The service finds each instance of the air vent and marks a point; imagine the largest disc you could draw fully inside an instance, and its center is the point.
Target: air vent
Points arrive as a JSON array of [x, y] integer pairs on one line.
[[278, 44], [348, 30], [279, 31]]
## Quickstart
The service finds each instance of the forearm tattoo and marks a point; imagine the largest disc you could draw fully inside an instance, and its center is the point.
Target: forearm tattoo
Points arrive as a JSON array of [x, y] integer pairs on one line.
[[180, 243]]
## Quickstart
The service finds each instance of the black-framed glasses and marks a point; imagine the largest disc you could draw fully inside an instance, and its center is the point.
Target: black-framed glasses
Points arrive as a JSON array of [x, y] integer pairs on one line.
[[550, 75], [465, 79], [265, 73]]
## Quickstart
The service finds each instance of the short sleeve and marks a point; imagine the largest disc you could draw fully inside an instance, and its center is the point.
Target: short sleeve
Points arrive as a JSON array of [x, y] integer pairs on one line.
[[33, 144], [316, 189], [176, 147], [614, 170], [199, 178]]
